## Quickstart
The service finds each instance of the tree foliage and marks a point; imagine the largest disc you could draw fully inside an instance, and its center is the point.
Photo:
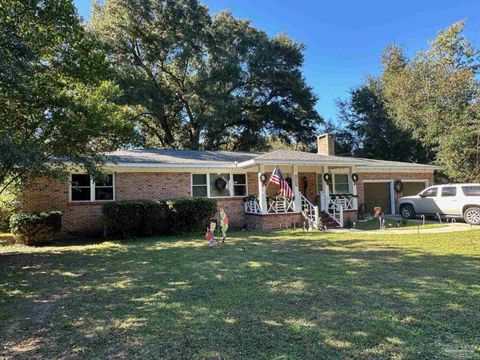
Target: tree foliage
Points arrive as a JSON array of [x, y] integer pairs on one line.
[[199, 81], [435, 95], [55, 99], [367, 130]]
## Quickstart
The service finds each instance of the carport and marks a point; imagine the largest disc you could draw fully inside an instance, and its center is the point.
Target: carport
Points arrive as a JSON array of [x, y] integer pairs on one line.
[[379, 193]]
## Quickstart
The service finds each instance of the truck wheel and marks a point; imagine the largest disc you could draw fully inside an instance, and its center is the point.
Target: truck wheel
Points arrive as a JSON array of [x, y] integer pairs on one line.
[[407, 211], [472, 215]]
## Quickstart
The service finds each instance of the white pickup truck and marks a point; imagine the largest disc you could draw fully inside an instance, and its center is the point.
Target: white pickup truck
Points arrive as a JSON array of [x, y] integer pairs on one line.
[[456, 200]]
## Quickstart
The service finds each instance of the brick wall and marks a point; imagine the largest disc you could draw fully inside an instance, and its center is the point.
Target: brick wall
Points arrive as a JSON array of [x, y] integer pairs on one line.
[[273, 221]]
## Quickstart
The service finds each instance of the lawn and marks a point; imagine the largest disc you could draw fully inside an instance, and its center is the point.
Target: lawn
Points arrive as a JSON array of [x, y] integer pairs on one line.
[[279, 295]]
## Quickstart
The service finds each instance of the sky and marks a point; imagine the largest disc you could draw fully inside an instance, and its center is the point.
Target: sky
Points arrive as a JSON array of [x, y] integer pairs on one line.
[[344, 39]]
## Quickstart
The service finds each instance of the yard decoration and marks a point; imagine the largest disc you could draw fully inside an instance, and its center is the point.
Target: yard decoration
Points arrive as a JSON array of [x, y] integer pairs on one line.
[[355, 178], [327, 177], [377, 211], [223, 224], [210, 235], [398, 186]]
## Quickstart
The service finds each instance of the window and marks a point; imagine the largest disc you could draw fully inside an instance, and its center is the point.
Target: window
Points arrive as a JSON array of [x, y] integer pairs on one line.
[[239, 185], [449, 191], [341, 183], [430, 192], [319, 183], [199, 185], [83, 188], [219, 185], [471, 190], [104, 189]]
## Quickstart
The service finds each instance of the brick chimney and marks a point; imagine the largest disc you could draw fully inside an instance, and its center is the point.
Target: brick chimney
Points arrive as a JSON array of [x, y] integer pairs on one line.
[[325, 144]]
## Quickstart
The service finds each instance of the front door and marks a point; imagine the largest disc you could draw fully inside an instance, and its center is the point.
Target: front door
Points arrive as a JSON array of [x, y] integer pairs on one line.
[[377, 194]]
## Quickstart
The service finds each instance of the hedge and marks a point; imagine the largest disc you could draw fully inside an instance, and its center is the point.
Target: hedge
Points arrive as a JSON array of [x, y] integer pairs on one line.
[[36, 228], [124, 219]]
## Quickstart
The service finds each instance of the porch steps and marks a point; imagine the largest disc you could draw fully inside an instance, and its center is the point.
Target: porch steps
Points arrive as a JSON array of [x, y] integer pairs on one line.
[[327, 221]]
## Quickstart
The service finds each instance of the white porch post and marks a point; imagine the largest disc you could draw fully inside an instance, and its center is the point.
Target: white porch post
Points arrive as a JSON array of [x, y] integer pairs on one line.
[[325, 186], [262, 195], [296, 191], [354, 189]]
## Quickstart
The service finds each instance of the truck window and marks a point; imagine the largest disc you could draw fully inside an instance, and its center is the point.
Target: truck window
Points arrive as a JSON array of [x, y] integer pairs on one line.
[[430, 192], [472, 190], [449, 191]]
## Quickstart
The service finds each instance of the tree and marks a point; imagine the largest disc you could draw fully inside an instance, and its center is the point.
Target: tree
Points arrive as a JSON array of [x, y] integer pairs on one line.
[[199, 81], [368, 131], [435, 95], [56, 101]]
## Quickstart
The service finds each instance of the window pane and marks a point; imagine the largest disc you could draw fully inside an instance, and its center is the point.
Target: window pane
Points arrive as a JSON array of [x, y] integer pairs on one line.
[[449, 191], [432, 192], [319, 183], [80, 180], [80, 194], [240, 190], [103, 194], [199, 179], [219, 185], [341, 183], [471, 190], [199, 191], [239, 179], [106, 181]]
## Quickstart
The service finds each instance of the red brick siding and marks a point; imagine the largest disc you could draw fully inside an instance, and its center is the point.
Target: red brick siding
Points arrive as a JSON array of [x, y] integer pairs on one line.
[[274, 221], [311, 193], [235, 211], [132, 186]]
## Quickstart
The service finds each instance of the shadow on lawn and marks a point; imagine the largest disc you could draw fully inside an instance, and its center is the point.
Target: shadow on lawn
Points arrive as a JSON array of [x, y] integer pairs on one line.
[[292, 298]]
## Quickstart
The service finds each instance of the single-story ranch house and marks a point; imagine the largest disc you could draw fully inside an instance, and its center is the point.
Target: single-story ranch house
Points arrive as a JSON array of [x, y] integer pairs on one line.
[[326, 187]]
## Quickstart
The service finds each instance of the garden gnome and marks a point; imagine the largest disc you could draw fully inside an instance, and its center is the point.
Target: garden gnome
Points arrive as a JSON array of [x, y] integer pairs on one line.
[[223, 224], [210, 236]]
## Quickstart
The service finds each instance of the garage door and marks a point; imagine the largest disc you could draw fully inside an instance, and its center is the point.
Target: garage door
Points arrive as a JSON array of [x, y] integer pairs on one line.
[[412, 188], [377, 194]]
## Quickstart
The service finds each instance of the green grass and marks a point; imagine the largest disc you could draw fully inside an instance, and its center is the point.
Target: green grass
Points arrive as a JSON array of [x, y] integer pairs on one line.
[[374, 224], [279, 295]]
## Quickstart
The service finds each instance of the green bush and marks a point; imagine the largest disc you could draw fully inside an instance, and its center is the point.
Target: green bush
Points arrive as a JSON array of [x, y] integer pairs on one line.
[[124, 219], [36, 228], [8, 206]]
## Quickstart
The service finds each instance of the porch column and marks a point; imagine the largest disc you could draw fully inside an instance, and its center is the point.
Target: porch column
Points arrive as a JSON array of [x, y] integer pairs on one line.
[[262, 195], [354, 189], [296, 191]]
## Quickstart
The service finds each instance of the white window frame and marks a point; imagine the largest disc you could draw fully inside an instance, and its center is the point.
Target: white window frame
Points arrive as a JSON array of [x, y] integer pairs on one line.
[[230, 186], [92, 190], [316, 182]]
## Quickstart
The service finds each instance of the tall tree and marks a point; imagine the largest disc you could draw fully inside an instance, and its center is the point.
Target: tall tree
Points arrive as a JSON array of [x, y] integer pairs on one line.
[[368, 131], [55, 101], [436, 96], [199, 81]]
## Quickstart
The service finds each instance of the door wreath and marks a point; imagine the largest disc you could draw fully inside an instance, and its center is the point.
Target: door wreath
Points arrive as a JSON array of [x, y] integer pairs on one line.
[[398, 186], [220, 184]]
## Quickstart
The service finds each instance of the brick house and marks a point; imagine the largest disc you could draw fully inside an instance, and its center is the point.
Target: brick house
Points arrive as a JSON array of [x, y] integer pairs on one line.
[[326, 186]]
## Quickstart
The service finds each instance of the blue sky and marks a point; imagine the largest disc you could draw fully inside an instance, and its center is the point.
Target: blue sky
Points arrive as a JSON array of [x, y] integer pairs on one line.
[[344, 39]]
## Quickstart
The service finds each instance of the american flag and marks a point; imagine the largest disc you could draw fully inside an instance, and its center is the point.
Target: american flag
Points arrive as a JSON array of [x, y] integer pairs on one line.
[[277, 178]]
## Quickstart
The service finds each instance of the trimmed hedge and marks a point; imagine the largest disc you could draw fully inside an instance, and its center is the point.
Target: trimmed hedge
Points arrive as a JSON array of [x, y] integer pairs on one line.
[[139, 218], [36, 228]]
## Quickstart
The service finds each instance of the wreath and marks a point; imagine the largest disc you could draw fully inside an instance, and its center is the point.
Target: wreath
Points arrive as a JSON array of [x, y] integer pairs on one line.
[[355, 178], [220, 184], [327, 178], [398, 186]]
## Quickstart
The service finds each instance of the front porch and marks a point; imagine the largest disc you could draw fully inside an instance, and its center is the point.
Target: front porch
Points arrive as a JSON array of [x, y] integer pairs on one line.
[[334, 195]]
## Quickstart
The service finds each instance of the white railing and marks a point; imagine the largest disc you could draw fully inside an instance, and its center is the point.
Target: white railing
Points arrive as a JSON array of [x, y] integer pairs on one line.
[[332, 207], [280, 205], [310, 211], [347, 202], [252, 206]]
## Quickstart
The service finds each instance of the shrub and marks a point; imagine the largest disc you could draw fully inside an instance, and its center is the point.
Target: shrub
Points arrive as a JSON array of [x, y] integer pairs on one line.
[[36, 228], [124, 219], [8, 206]]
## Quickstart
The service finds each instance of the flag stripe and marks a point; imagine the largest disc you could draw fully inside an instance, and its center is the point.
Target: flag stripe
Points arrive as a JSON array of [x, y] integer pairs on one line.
[[277, 178]]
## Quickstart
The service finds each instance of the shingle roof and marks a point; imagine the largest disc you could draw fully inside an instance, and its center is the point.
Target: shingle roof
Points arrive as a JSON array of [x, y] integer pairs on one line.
[[167, 157]]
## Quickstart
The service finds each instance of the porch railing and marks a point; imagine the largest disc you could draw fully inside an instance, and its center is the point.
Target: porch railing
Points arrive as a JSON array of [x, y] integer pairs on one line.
[[347, 202], [332, 207], [280, 205], [310, 211], [252, 206]]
